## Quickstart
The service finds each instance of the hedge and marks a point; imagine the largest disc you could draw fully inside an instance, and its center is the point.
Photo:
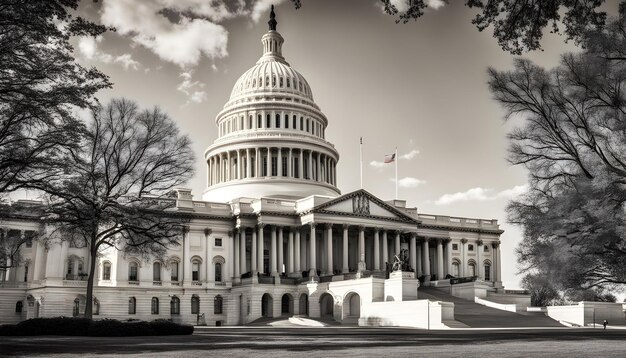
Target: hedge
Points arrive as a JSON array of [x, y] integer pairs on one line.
[[66, 326]]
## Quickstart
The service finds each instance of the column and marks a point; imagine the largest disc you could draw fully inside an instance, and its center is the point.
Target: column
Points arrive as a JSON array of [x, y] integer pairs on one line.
[[376, 249], [463, 256], [312, 256], [440, 275], [329, 249], [238, 164], [268, 166], [290, 255], [448, 257], [301, 165], [280, 250], [319, 168], [229, 166], [362, 243], [296, 248], [413, 251], [426, 260], [65, 246], [397, 243], [273, 270], [236, 260], [279, 164], [385, 248], [479, 258], [290, 163], [260, 247], [186, 257], [496, 256], [257, 163], [419, 259], [345, 268], [242, 247], [253, 254], [310, 166], [248, 165]]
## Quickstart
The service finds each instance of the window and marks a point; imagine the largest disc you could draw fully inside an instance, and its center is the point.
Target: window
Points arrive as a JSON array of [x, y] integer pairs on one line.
[[296, 168], [218, 241], [274, 166], [455, 269], [470, 247], [472, 269], [277, 121], [154, 308], [268, 121], [281, 81], [241, 123], [218, 272], [70, 268], [487, 271], [132, 305], [259, 121], [133, 271], [284, 164], [288, 82], [195, 304], [25, 273], [307, 125], [19, 306], [156, 272], [106, 271], [217, 305], [486, 248], [294, 120], [250, 122], [287, 121], [174, 275], [455, 247], [301, 123], [195, 271], [175, 305]]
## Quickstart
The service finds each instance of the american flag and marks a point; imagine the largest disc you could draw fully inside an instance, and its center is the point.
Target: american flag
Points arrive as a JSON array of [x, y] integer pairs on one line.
[[390, 158]]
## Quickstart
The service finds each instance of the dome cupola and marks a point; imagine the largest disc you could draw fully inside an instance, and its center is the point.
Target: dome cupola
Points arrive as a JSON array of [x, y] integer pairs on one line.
[[271, 134]]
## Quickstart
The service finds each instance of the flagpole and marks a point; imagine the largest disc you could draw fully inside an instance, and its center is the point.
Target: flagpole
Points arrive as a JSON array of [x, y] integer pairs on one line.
[[396, 155], [361, 160]]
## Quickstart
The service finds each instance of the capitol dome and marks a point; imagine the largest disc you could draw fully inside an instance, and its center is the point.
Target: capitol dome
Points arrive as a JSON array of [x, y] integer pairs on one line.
[[271, 135]]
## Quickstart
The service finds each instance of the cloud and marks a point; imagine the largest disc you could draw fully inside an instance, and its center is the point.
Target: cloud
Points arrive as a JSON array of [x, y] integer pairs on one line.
[[435, 4], [180, 39], [378, 165], [410, 155], [191, 88], [403, 5], [262, 8], [88, 48], [408, 182], [481, 194]]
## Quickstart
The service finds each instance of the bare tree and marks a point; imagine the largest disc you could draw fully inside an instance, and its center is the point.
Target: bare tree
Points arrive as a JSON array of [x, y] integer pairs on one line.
[[573, 143], [115, 190]]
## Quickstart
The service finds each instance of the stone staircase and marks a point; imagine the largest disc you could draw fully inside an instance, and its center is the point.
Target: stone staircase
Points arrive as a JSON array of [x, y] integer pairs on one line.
[[478, 316]]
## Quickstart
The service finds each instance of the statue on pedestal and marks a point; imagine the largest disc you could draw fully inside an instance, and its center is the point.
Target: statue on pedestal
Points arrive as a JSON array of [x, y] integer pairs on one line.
[[401, 261]]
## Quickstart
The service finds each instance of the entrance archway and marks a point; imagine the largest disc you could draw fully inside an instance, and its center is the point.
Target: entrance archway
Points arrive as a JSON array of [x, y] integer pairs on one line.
[[352, 306], [326, 306], [304, 304], [267, 303], [286, 305]]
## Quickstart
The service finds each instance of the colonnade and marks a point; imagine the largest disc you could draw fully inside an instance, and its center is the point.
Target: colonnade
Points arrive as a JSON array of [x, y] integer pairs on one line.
[[271, 161], [336, 249]]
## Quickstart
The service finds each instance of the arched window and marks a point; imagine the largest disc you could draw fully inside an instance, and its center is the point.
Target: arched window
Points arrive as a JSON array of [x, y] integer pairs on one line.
[[294, 120], [268, 121], [301, 123], [259, 121], [174, 272], [133, 272], [19, 306], [76, 310], [487, 271], [217, 304], [218, 272], [472, 269], [277, 120], [195, 270], [96, 306], [455, 269], [106, 271], [250, 122], [155, 306], [175, 305], [132, 305], [156, 272], [195, 304]]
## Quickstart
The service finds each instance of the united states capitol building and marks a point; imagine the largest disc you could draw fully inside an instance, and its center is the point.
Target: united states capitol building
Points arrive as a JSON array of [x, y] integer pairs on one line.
[[272, 236]]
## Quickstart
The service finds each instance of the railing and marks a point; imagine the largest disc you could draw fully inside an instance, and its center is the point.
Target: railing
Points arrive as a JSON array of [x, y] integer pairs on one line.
[[457, 280], [79, 277], [133, 282], [220, 283], [266, 279], [156, 283], [196, 283], [175, 283]]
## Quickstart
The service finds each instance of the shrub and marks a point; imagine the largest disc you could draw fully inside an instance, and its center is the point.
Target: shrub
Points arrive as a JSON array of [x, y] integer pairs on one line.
[[65, 326]]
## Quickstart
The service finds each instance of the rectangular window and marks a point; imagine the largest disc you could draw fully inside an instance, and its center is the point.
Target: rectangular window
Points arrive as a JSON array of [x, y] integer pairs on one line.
[[132, 275], [294, 122], [268, 121], [264, 169], [470, 247], [106, 273], [26, 273], [284, 160], [307, 125], [455, 247], [278, 121], [259, 121], [487, 273], [218, 241], [296, 168], [274, 166], [218, 272], [195, 271], [486, 248], [301, 123], [287, 121]]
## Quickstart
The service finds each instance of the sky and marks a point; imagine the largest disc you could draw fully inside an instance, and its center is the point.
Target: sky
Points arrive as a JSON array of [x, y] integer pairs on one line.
[[420, 87]]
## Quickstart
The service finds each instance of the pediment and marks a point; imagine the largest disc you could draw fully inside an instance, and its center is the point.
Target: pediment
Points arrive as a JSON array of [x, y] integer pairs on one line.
[[361, 203]]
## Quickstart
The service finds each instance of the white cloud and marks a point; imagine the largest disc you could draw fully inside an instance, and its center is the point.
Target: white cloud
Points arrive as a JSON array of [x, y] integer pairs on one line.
[[410, 155], [191, 88], [182, 42], [262, 8], [378, 165], [481, 194], [435, 4], [403, 5], [408, 182], [88, 48]]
